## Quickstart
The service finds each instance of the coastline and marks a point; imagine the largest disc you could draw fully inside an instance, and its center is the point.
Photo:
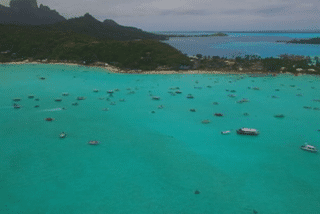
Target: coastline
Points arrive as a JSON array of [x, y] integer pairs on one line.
[[114, 69]]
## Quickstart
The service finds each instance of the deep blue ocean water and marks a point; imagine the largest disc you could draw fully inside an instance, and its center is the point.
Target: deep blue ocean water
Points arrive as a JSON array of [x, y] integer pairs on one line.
[[240, 44], [154, 162]]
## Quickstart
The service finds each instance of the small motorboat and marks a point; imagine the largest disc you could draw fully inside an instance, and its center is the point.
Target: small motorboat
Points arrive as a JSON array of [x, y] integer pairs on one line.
[[277, 90], [231, 95], [58, 100], [307, 107], [215, 103], [36, 106], [275, 97], [37, 99], [256, 88], [155, 98], [209, 86], [81, 98], [62, 135], [218, 114], [105, 109], [205, 121], [93, 142], [113, 103], [49, 119], [117, 89], [101, 98], [16, 106], [122, 100], [42, 78], [16, 99], [190, 96], [192, 110], [233, 91], [31, 96], [160, 107], [153, 112], [131, 92], [316, 108], [246, 114], [95, 90], [299, 95], [279, 116], [197, 81], [75, 104], [65, 94], [110, 91], [178, 92], [243, 101], [225, 132], [309, 148]]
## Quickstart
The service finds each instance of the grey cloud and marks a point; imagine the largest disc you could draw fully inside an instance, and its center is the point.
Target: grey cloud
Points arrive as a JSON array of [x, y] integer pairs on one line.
[[185, 12]]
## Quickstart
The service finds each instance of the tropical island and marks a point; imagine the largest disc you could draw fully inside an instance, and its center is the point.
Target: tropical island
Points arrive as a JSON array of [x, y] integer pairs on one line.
[[48, 37], [312, 41], [201, 35]]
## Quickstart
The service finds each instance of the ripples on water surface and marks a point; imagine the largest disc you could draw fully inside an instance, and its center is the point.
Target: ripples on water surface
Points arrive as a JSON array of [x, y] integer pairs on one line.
[[154, 163]]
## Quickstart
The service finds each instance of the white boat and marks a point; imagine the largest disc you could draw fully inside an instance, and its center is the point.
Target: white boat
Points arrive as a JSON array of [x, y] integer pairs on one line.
[[225, 132], [248, 131], [62, 135], [93, 142], [309, 148]]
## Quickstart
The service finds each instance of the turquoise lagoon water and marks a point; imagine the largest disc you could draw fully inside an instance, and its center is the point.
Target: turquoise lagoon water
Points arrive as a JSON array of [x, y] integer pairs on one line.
[[154, 163], [240, 44]]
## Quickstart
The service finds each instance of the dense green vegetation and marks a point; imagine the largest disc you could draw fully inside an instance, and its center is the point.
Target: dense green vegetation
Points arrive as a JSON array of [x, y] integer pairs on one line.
[[202, 35], [314, 41], [37, 43], [252, 63]]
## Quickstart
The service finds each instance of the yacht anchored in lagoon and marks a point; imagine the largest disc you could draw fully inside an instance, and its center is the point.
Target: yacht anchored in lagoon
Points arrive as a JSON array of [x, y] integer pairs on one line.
[[248, 131], [309, 148]]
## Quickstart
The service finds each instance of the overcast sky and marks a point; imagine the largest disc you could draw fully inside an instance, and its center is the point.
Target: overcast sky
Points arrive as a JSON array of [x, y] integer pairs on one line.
[[154, 15]]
